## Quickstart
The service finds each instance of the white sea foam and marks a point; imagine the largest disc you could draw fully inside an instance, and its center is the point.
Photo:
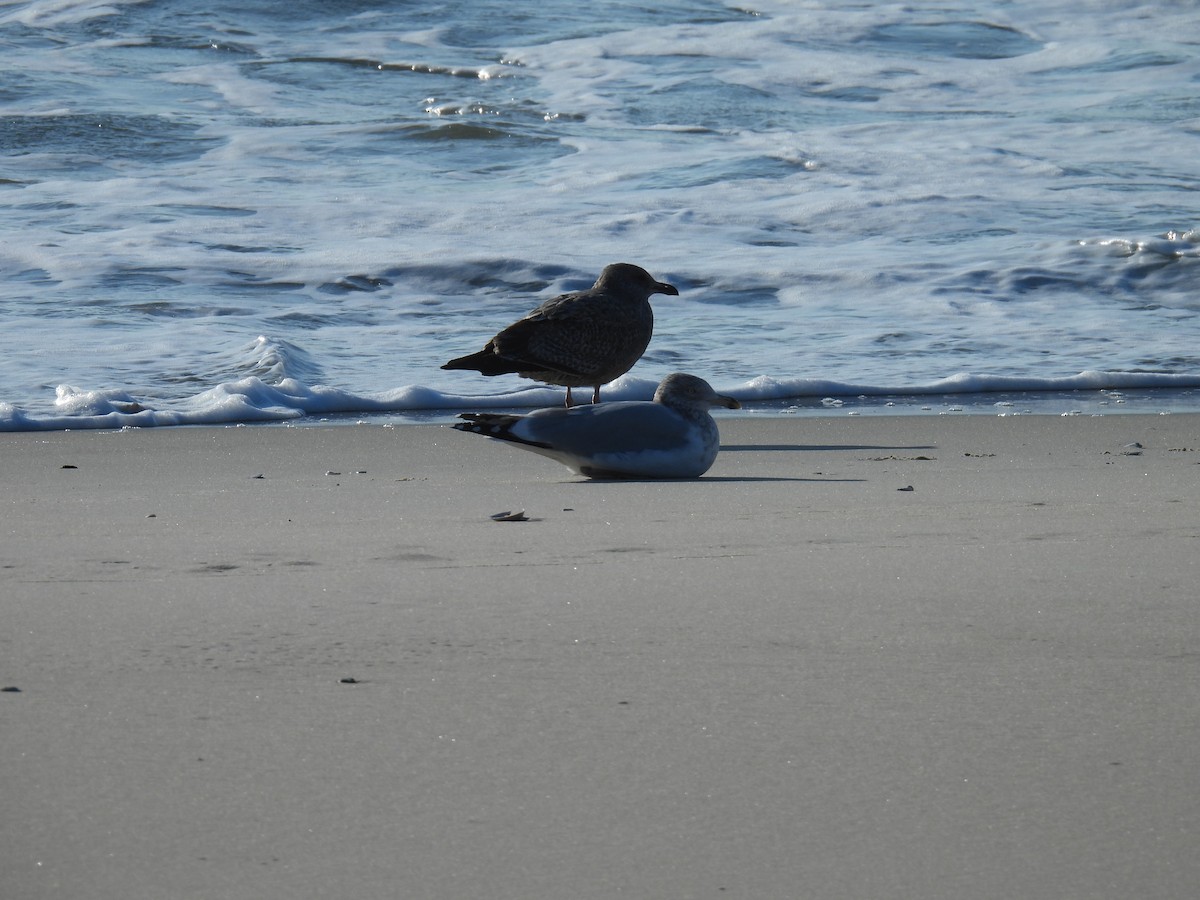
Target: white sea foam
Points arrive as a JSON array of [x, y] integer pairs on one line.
[[252, 399]]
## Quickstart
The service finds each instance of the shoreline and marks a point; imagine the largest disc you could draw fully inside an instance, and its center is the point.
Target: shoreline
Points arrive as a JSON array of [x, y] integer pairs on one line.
[[267, 405], [904, 656]]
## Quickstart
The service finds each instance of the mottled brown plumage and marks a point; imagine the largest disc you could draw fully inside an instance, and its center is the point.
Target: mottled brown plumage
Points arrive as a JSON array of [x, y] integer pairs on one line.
[[583, 339]]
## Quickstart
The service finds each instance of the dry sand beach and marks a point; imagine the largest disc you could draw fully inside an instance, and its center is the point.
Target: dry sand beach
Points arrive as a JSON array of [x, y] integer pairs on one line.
[[879, 657]]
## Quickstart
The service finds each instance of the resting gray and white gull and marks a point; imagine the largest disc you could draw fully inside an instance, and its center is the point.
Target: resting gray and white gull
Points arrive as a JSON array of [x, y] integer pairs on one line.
[[672, 436], [583, 339]]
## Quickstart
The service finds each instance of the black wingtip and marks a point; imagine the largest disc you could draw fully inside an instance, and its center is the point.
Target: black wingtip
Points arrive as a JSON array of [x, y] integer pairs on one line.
[[494, 425]]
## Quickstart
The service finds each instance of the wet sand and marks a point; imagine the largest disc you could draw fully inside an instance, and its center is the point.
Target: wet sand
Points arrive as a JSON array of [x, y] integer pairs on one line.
[[865, 657]]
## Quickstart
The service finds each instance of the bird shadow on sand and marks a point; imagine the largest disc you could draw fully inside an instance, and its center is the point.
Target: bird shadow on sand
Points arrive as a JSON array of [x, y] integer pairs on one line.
[[711, 478], [844, 448], [744, 478]]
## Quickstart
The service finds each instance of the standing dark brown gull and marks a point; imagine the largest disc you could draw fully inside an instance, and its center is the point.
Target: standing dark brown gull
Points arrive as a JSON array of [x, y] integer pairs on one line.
[[583, 339], [672, 436]]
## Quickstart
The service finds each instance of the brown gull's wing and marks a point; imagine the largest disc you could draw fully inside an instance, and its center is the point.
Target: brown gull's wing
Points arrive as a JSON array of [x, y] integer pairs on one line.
[[586, 334]]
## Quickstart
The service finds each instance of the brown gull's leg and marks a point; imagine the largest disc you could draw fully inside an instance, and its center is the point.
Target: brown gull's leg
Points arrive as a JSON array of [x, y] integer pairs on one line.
[[596, 394], [569, 403]]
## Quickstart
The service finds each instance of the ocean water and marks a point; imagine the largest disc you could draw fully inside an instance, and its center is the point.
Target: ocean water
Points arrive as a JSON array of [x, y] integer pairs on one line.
[[235, 212]]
